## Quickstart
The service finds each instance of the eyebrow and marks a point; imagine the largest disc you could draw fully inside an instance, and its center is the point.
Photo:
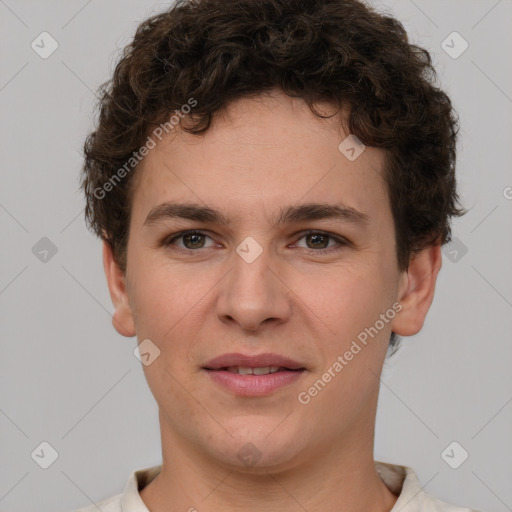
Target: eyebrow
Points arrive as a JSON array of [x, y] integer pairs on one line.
[[290, 214]]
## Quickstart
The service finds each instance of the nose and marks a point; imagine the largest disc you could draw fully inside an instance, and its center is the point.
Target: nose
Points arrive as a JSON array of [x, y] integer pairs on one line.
[[253, 296]]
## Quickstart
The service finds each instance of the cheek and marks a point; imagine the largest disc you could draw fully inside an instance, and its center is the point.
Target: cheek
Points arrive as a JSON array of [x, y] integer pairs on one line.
[[350, 304], [346, 299], [164, 298]]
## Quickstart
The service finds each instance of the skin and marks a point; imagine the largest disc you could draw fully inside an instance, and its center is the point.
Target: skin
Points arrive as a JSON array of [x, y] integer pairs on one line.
[[259, 156]]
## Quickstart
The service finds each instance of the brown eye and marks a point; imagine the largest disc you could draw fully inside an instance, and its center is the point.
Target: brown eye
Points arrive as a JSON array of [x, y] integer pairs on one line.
[[317, 240], [193, 240], [321, 243], [190, 240]]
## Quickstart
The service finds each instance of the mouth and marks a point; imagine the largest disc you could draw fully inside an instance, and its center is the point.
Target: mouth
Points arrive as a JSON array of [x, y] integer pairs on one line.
[[260, 370], [252, 376], [265, 363]]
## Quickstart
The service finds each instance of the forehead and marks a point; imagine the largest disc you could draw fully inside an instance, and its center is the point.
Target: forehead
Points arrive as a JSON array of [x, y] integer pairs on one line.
[[258, 154]]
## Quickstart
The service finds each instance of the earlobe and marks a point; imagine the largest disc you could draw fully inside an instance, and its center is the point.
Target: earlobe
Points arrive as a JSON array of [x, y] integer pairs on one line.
[[122, 319], [416, 290]]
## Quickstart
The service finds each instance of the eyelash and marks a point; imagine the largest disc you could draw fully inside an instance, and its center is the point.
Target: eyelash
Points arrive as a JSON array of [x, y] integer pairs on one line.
[[342, 242]]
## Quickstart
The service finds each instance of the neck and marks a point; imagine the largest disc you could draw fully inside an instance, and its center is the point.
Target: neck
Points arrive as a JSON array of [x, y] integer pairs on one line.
[[341, 477]]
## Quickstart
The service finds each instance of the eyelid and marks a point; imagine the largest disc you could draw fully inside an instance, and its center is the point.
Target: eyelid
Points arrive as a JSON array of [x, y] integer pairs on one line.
[[168, 240], [341, 241]]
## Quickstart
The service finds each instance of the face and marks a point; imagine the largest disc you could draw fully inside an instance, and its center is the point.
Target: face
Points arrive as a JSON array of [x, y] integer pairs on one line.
[[261, 245]]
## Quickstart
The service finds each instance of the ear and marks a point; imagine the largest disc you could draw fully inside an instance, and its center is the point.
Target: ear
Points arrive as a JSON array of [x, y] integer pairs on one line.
[[416, 290], [122, 319]]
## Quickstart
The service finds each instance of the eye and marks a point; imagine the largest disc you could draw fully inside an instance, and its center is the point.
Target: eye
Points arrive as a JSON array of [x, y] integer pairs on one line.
[[191, 240], [318, 242]]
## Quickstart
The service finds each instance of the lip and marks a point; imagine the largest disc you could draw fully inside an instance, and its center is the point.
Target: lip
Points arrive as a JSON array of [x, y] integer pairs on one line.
[[246, 361], [253, 385]]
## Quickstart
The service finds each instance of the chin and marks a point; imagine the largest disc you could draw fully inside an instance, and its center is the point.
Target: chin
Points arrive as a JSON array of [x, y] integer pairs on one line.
[[259, 448]]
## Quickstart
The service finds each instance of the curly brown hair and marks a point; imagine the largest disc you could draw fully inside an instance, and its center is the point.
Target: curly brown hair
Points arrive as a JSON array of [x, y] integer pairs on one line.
[[340, 51]]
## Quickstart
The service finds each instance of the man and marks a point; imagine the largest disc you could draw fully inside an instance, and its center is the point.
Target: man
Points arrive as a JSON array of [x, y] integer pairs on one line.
[[272, 181]]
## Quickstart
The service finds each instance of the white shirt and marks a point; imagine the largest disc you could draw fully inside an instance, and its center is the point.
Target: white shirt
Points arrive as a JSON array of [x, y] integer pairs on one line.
[[400, 480]]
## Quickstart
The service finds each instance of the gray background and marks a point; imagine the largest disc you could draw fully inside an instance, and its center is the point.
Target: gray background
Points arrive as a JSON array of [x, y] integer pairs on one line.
[[69, 379]]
